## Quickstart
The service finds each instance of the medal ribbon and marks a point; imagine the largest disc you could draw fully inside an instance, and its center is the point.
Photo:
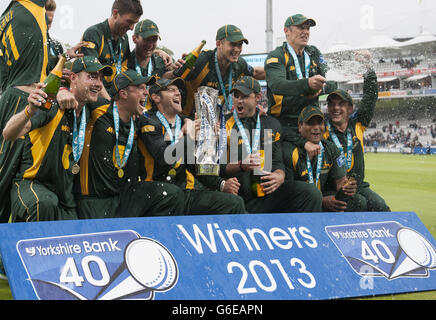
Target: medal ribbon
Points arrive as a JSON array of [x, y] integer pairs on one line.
[[256, 139], [228, 99], [119, 63], [164, 121], [79, 136], [318, 167], [335, 139], [297, 63], [129, 143]]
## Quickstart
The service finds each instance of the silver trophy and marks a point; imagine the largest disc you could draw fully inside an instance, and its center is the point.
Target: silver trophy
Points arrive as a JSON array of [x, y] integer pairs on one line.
[[208, 142]]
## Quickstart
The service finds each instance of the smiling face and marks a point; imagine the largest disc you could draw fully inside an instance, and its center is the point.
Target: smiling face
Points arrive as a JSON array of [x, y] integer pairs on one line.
[[313, 129], [339, 110], [134, 97], [169, 100], [229, 51], [298, 36], [146, 46]]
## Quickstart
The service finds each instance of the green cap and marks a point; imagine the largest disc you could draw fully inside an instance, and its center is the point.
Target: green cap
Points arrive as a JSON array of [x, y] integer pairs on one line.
[[231, 33], [344, 95], [90, 64], [308, 112], [247, 85], [146, 28], [298, 19], [163, 83], [127, 78]]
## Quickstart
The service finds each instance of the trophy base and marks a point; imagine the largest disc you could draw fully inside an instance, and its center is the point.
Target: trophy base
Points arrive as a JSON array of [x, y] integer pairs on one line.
[[208, 169]]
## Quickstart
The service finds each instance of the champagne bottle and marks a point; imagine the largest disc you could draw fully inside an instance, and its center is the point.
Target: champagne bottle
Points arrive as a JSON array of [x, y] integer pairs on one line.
[[53, 83], [189, 61]]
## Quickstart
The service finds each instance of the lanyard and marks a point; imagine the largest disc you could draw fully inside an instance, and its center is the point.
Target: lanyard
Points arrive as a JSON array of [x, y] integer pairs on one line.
[[256, 139], [297, 63], [119, 63], [335, 139], [129, 143], [164, 121], [318, 167], [228, 99], [79, 136]]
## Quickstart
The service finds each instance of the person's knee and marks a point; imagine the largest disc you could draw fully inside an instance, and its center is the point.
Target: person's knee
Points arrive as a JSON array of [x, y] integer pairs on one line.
[[357, 203]]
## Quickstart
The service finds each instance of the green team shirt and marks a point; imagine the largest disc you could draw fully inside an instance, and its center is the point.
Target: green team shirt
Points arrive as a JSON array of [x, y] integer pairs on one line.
[[152, 146], [98, 164], [266, 122], [97, 38], [333, 165], [48, 154], [204, 74], [357, 125], [286, 93], [23, 39]]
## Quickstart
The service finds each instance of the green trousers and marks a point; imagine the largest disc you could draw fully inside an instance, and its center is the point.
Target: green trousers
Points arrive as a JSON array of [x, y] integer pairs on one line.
[[137, 199], [366, 200], [202, 202], [12, 102], [32, 201], [292, 196]]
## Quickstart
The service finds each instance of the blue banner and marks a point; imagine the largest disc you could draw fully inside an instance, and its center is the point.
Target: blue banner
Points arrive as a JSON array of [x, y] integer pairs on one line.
[[220, 257]]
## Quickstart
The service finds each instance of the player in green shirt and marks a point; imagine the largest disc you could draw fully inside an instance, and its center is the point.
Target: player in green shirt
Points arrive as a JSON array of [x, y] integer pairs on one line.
[[255, 155], [108, 40], [109, 166], [220, 68], [43, 187], [295, 75], [345, 128], [316, 170], [167, 128], [23, 62]]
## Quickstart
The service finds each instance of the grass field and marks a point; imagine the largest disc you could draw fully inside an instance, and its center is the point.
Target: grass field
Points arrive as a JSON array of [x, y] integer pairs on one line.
[[407, 182]]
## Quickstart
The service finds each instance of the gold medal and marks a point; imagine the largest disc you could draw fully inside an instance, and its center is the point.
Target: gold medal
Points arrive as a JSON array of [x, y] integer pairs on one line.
[[172, 173], [120, 173], [75, 169]]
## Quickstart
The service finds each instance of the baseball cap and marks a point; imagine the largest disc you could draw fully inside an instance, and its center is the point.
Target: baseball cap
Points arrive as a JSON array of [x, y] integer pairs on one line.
[[247, 85], [308, 112], [298, 19], [163, 83], [90, 64], [344, 95], [231, 33], [146, 28], [127, 78]]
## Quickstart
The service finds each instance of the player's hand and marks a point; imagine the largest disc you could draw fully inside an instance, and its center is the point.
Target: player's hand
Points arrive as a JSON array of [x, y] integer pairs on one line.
[[73, 52], [66, 100], [331, 204], [168, 61], [252, 162], [350, 188], [231, 186], [188, 128], [272, 181], [312, 149], [37, 97]]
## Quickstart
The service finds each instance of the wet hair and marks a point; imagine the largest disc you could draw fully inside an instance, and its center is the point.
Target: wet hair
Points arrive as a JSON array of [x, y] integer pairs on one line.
[[50, 5], [128, 6]]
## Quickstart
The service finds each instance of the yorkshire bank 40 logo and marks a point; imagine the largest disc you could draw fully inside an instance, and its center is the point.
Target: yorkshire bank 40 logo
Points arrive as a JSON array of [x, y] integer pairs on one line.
[[384, 249], [98, 266]]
